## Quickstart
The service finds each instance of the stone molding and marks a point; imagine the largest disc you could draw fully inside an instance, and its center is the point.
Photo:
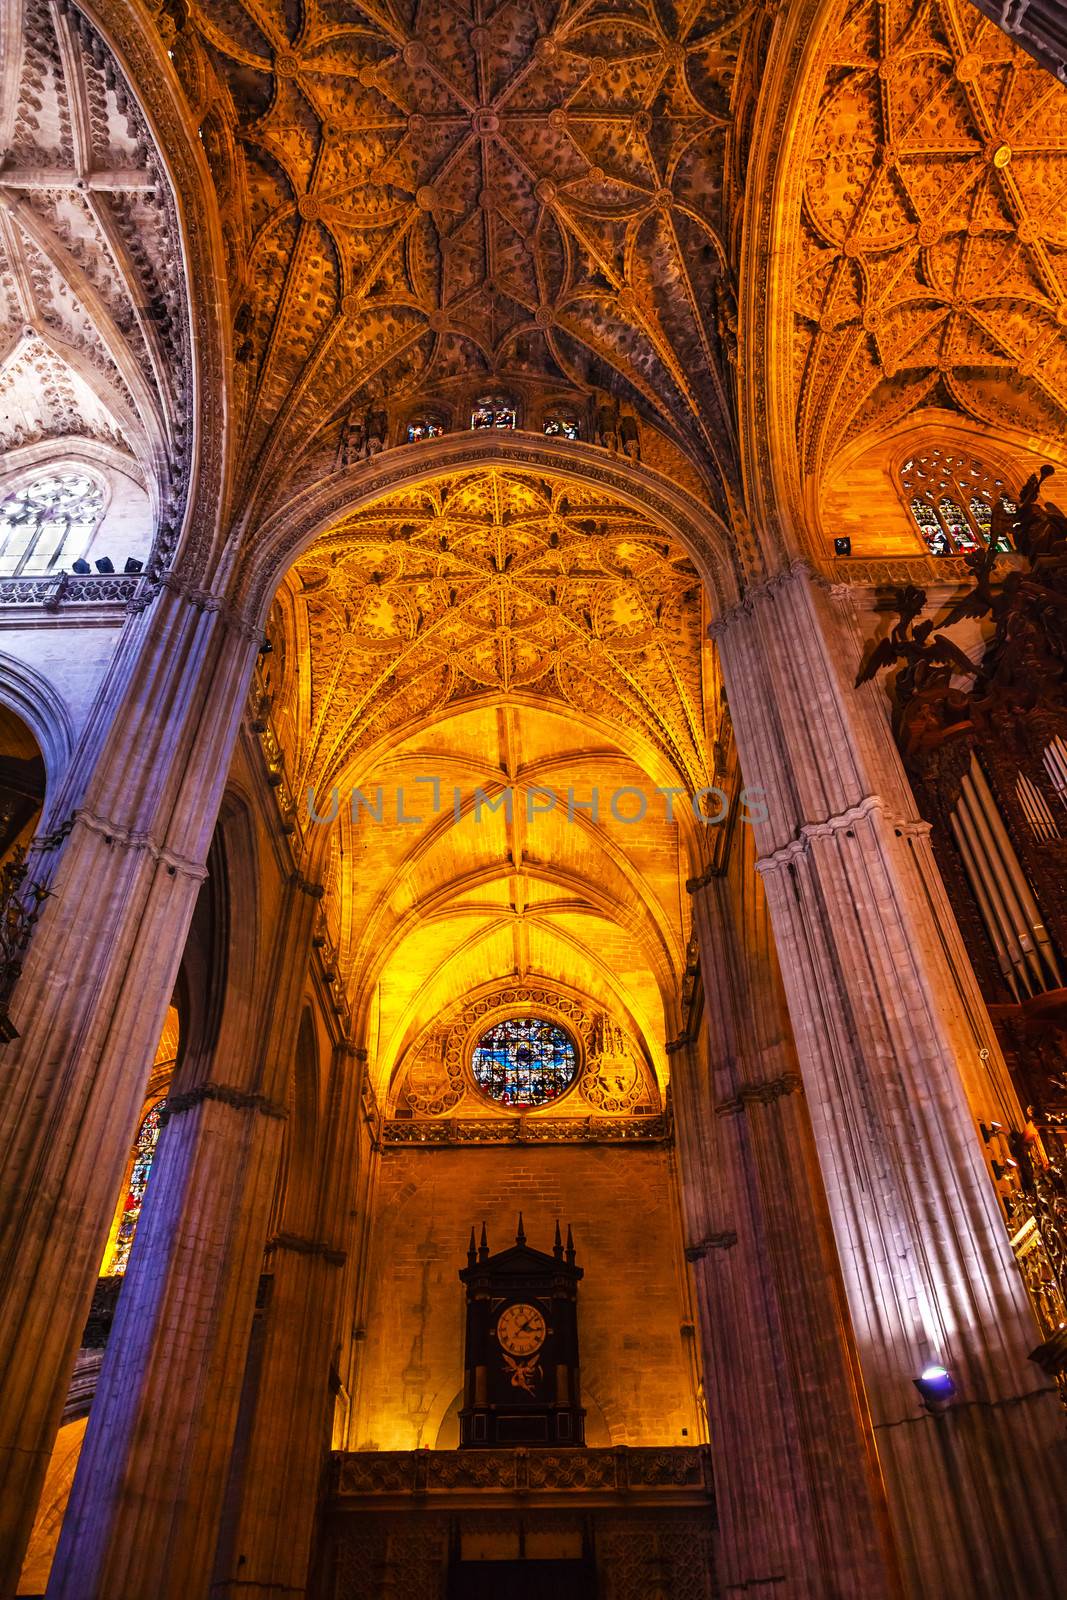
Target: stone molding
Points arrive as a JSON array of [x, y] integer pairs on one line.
[[113, 833], [786, 854], [760, 1094], [757, 593], [224, 1094], [714, 1241], [433, 1133], [294, 1243], [201, 600]]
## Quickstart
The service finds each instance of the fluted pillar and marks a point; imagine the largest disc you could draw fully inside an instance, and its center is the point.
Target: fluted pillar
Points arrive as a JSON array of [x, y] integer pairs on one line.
[[267, 1550], [137, 813], [800, 1501], [888, 1025], [145, 1507]]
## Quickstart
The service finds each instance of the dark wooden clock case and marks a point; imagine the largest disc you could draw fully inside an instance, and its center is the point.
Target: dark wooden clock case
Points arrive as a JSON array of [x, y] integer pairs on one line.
[[516, 1400]]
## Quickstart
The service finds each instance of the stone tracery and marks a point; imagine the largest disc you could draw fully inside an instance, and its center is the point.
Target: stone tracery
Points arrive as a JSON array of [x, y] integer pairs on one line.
[[94, 337]]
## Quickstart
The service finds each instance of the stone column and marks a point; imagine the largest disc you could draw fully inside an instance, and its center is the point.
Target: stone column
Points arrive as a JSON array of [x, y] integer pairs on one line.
[[800, 1501], [887, 1022], [266, 1551], [144, 1511], [138, 811]]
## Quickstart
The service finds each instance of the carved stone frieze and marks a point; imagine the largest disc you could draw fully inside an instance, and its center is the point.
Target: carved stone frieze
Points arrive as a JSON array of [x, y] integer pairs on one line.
[[662, 1470], [437, 1132]]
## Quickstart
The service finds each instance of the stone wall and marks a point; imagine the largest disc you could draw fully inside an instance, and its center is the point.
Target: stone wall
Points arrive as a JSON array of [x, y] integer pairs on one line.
[[635, 1328]]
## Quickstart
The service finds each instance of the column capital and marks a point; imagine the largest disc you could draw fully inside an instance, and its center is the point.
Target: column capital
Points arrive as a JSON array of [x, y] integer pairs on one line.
[[202, 600], [760, 1094], [871, 805], [757, 592], [225, 1094], [114, 833]]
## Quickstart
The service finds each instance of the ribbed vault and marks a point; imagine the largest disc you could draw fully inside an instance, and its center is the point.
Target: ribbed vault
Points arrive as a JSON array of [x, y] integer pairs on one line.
[[420, 193], [94, 320], [511, 671]]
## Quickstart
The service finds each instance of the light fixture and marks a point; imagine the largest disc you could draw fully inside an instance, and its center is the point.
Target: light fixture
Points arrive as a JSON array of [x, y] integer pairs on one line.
[[936, 1386], [843, 546], [132, 564], [105, 564], [81, 566]]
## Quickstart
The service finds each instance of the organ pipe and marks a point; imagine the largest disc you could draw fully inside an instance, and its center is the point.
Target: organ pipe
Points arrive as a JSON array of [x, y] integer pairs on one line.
[[1024, 951]]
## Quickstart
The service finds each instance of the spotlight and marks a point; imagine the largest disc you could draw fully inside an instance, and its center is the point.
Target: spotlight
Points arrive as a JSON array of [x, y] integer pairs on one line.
[[936, 1387], [105, 564], [843, 546], [81, 565], [132, 564]]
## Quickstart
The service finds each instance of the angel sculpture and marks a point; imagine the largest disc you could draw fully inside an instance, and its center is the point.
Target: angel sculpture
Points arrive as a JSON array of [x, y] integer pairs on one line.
[[926, 708]]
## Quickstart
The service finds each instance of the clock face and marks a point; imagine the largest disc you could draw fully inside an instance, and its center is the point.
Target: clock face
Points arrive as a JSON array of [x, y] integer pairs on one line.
[[521, 1330]]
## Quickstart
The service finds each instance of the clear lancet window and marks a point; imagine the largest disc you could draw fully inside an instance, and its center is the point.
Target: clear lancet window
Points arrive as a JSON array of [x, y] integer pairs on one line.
[[493, 412], [524, 1062], [48, 522], [561, 427], [144, 1152], [951, 498], [424, 428]]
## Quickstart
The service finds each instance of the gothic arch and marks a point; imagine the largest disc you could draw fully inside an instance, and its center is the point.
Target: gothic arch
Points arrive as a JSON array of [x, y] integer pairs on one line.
[[192, 505], [293, 527], [45, 713]]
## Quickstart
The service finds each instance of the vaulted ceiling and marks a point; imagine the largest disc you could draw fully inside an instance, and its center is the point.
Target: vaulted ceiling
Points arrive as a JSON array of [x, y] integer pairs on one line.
[[499, 631], [493, 583], [932, 265], [418, 193], [94, 337]]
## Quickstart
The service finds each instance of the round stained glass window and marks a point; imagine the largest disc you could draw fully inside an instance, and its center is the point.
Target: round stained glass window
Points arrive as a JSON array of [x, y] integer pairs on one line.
[[524, 1062]]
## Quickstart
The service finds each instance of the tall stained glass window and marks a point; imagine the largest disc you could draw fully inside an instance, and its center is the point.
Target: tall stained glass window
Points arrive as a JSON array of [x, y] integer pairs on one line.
[[143, 1155], [48, 522], [524, 1062]]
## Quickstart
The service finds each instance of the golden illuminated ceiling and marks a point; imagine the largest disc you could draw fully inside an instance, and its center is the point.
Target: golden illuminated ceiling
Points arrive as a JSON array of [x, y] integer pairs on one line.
[[416, 195], [933, 248], [498, 631], [492, 583]]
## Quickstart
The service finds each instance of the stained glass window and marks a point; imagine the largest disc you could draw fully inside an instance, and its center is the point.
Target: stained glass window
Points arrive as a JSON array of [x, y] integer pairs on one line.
[[49, 522], [493, 413], [952, 499], [561, 427], [524, 1062], [423, 428], [143, 1155]]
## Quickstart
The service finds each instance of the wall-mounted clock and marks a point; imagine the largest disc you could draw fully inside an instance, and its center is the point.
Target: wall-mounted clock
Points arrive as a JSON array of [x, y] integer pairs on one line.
[[522, 1374]]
